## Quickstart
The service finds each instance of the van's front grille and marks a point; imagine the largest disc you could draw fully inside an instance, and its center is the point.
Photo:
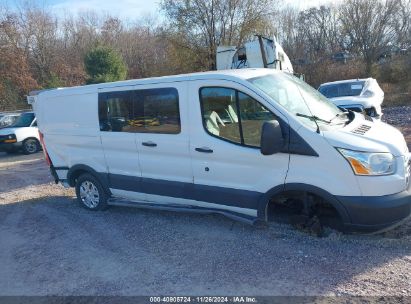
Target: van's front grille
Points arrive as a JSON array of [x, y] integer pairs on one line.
[[408, 169], [361, 130]]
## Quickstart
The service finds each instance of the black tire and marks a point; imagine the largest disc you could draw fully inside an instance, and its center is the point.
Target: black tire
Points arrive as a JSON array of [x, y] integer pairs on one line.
[[372, 112], [91, 193], [30, 146]]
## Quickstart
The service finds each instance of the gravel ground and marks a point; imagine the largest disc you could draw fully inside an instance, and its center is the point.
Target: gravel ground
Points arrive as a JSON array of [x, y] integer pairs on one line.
[[401, 118], [398, 116], [51, 246]]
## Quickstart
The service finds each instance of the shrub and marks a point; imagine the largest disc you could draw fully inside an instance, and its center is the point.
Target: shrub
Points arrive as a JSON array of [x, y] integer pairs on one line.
[[103, 64]]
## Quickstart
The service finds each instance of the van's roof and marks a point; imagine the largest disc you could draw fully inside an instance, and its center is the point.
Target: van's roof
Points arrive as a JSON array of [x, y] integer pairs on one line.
[[221, 74], [345, 81]]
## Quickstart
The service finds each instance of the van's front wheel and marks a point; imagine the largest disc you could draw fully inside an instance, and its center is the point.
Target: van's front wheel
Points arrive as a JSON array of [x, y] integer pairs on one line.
[[31, 146], [90, 193]]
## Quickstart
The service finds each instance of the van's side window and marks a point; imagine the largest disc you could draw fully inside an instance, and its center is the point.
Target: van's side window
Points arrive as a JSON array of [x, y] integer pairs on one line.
[[158, 110], [253, 115], [140, 111], [233, 115], [220, 113], [116, 111]]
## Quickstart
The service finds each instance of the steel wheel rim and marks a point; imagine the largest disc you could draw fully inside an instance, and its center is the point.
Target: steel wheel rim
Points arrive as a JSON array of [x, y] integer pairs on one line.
[[31, 146], [89, 194]]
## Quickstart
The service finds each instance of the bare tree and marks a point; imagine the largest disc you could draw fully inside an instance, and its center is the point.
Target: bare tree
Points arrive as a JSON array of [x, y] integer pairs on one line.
[[403, 24], [318, 28], [370, 26], [207, 24]]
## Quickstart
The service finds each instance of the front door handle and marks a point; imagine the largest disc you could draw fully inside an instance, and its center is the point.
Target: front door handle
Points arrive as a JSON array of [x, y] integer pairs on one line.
[[149, 144], [204, 150]]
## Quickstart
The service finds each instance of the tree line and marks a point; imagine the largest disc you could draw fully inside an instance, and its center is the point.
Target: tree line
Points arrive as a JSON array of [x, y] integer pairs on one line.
[[39, 49]]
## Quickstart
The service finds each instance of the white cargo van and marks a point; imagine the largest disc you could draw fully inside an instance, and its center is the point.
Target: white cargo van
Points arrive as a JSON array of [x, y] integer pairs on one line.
[[231, 142], [21, 135]]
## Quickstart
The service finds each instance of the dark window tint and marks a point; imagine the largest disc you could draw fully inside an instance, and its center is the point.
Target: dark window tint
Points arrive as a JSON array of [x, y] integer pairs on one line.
[[350, 89], [221, 118], [329, 91], [116, 111], [158, 110], [152, 111], [342, 89], [24, 120]]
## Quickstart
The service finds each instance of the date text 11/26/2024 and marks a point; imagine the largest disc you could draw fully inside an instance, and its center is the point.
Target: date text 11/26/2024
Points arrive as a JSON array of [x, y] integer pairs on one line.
[[215, 299]]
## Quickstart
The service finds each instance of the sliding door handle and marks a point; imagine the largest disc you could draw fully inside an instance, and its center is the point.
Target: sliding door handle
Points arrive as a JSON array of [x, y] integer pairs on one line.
[[204, 150], [149, 144]]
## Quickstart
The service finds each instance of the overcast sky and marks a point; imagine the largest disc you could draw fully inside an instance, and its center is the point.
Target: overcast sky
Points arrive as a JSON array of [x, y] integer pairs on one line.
[[123, 8]]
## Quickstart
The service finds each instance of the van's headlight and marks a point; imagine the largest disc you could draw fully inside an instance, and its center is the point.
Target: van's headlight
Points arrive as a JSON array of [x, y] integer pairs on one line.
[[369, 163], [11, 138]]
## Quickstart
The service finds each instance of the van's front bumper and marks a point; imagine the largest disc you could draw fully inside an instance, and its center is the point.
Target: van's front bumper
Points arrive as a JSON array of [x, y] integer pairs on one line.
[[375, 213], [10, 147]]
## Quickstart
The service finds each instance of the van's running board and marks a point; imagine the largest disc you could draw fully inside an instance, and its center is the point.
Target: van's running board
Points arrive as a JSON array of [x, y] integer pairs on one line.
[[172, 207]]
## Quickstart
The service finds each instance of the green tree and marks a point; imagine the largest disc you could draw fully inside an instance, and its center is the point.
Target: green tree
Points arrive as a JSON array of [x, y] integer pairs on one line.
[[103, 64]]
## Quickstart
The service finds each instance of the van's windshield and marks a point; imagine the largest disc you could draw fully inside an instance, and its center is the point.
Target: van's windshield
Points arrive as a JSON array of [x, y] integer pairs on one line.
[[300, 99]]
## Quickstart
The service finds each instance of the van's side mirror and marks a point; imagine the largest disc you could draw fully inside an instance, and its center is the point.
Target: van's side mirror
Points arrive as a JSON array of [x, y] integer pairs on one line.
[[272, 140]]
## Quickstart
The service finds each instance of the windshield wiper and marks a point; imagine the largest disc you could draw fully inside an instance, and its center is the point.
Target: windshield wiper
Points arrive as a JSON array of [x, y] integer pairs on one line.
[[339, 115], [313, 117]]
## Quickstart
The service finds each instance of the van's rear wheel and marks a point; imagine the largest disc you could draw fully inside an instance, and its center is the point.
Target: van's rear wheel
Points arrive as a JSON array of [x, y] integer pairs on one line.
[[90, 193], [31, 146]]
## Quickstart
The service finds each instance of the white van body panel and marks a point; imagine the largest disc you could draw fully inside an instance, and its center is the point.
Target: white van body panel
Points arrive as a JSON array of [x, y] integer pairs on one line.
[[172, 151], [68, 118], [167, 201], [232, 166], [380, 137], [124, 161], [329, 171], [71, 133]]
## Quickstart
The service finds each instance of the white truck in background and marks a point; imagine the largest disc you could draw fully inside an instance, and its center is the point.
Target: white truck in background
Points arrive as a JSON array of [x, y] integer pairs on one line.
[[260, 53]]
